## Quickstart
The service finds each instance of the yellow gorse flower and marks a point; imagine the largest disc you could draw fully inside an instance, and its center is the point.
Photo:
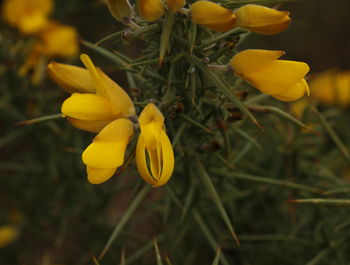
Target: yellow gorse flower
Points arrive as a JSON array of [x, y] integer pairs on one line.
[[212, 15], [331, 87], [150, 10], [102, 106], [282, 79], [175, 5], [262, 19], [154, 141], [8, 234], [29, 16]]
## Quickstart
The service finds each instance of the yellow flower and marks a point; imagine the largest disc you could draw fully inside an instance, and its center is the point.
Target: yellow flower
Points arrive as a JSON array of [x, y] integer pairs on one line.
[[150, 10], [8, 234], [71, 78], [58, 40], [29, 16], [262, 19], [282, 79], [175, 5], [331, 87], [92, 112], [107, 151], [154, 140], [212, 15]]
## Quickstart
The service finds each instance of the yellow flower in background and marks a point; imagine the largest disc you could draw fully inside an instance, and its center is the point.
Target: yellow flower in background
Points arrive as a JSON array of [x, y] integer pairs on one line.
[[212, 15], [8, 234], [107, 151], [150, 10], [154, 141], [282, 79], [58, 40], [175, 5], [29, 16], [262, 19], [331, 87], [93, 111]]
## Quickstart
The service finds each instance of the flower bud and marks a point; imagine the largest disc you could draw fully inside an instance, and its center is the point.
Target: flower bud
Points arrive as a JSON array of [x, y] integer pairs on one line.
[[212, 15], [284, 80], [175, 5], [262, 19], [150, 10]]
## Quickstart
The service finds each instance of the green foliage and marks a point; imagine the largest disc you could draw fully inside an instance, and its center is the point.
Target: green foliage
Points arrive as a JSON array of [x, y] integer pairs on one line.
[[252, 183]]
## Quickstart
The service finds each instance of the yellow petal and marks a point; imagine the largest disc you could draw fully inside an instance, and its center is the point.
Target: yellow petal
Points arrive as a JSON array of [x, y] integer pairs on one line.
[[8, 234], [59, 40], [331, 87], [151, 122], [109, 89], [141, 162], [155, 157], [175, 5], [89, 107], [29, 16], [150, 10], [105, 154], [118, 130], [167, 160], [293, 93], [262, 19], [252, 59], [117, 95], [71, 78], [212, 16], [90, 126], [108, 148], [278, 76], [32, 23], [98, 176]]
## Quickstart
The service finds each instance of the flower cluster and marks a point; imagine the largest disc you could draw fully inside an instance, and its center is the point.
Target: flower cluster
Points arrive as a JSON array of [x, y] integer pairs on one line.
[[282, 79], [52, 39], [100, 105]]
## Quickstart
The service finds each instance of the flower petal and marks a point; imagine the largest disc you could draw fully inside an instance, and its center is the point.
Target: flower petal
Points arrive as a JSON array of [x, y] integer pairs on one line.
[[168, 160], [118, 130], [278, 76], [151, 122], [293, 93], [71, 78], [90, 126], [89, 107], [141, 162], [261, 19], [253, 59], [98, 175], [150, 10], [108, 148], [212, 16], [117, 95]]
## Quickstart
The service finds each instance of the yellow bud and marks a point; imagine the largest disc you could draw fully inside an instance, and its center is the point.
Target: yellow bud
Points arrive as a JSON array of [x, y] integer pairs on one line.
[[175, 5], [150, 10], [213, 16], [120, 9], [332, 87], [262, 19], [284, 80]]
